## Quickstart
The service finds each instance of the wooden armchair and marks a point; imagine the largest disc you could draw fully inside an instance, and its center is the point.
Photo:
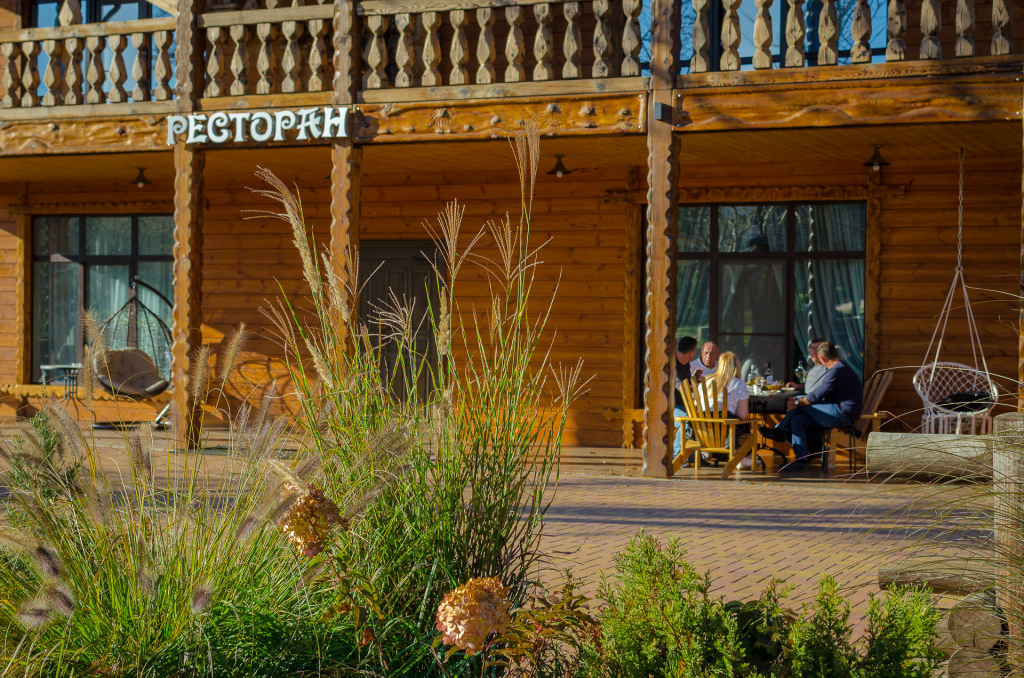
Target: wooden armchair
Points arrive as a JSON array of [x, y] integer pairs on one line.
[[870, 419], [713, 428]]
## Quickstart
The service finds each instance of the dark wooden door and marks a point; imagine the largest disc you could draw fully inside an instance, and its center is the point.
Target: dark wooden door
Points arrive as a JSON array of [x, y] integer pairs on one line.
[[400, 272]]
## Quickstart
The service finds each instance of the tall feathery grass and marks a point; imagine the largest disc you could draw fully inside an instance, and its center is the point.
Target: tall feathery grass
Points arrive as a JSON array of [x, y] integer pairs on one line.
[[315, 545]]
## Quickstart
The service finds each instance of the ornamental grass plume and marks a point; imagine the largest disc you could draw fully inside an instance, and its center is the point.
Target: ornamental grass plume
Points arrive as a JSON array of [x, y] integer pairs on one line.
[[472, 612]]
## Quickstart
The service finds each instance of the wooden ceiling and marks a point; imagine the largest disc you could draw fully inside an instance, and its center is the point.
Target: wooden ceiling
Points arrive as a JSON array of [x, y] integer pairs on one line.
[[312, 163]]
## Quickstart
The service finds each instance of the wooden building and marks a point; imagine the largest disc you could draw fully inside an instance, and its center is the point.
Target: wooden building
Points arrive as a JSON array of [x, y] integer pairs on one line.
[[717, 154]]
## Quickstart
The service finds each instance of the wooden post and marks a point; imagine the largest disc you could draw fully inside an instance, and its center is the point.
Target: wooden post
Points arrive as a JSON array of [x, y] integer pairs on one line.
[[873, 278], [662, 236], [631, 312], [188, 217], [346, 158]]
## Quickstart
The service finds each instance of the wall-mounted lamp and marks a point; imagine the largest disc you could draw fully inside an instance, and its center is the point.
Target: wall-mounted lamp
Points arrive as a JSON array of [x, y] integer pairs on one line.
[[877, 162], [559, 170], [141, 181]]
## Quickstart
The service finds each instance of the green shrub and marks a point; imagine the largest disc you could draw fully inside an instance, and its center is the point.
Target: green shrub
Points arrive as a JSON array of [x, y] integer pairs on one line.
[[901, 635], [821, 642]]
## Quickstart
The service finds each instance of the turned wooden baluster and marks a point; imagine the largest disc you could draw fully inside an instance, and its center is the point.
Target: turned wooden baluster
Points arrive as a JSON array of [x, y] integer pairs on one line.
[[239, 60], [602, 39], [162, 66], [515, 48], [730, 36], [95, 75], [485, 74], [965, 28], [266, 60], [405, 51], [860, 52], [70, 13], [140, 68], [542, 51], [828, 34], [215, 36], [74, 80], [572, 44], [376, 55], [53, 76], [931, 24], [431, 49], [896, 31], [318, 79], [795, 32], [762, 35], [1002, 22], [291, 61], [11, 79], [631, 38], [459, 51], [699, 62], [30, 81], [118, 72]]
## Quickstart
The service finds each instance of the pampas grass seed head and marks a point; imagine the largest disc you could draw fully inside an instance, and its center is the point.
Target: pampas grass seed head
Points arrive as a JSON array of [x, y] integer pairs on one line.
[[35, 614], [201, 598]]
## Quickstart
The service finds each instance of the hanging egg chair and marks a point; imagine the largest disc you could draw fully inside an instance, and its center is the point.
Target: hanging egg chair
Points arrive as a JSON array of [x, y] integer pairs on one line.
[[137, 362]]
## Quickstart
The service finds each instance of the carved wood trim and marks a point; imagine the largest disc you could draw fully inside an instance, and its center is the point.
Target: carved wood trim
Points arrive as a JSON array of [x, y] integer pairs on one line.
[[769, 194]]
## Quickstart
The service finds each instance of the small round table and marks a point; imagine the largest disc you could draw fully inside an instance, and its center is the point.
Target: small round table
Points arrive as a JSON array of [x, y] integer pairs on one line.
[[65, 375]]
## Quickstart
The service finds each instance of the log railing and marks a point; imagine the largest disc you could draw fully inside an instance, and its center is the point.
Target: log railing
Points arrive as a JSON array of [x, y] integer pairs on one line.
[[936, 41], [75, 64], [486, 42], [268, 51]]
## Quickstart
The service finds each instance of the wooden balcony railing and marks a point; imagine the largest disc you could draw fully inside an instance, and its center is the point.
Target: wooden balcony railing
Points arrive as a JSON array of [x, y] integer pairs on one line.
[[75, 65], [528, 42]]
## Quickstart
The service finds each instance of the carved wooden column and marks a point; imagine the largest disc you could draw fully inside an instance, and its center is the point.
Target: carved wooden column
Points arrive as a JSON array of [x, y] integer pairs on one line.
[[699, 62], [730, 60], [1002, 22], [931, 25], [346, 158], [964, 28], [860, 53], [762, 34], [188, 218], [662, 236], [896, 31], [795, 30]]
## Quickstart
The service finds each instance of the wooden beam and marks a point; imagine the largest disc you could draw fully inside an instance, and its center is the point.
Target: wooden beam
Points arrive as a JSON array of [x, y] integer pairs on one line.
[[935, 99], [135, 206], [662, 235], [873, 276], [769, 194], [554, 88], [268, 16], [392, 7], [90, 30], [22, 293], [84, 135], [1020, 320], [346, 157], [615, 113], [632, 322]]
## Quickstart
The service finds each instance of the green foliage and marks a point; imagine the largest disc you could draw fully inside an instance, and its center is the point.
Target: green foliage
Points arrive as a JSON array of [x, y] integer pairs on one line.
[[901, 635], [660, 620], [821, 642]]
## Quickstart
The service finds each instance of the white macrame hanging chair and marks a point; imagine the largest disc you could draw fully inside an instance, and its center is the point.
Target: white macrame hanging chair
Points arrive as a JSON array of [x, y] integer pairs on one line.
[[957, 398]]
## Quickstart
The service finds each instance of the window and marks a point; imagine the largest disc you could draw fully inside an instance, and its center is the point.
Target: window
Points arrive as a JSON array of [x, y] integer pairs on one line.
[[762, 280], [89, 262], [43, 13]]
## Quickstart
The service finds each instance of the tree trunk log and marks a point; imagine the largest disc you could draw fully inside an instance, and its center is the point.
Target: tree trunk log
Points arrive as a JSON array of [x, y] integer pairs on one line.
[[967, 663], [957, 578], [975, 622], [909, 454]]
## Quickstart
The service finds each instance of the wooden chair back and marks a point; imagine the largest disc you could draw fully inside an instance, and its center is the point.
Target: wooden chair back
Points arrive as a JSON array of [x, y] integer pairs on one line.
[[874, 391], [700, 399]]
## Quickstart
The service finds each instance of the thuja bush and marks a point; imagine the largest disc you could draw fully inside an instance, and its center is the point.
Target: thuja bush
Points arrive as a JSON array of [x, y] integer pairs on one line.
[[659, 619]]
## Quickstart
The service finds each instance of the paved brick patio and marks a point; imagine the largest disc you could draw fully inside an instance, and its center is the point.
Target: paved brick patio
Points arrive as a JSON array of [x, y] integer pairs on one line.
[[745, 533]]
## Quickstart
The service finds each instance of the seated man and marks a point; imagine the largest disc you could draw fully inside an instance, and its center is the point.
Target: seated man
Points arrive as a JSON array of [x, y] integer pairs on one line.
[[817, 371], [686, 350], [707, 363], [835, 403]]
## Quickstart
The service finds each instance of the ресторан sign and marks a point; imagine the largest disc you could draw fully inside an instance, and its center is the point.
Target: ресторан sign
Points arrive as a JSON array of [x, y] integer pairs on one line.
[[224, 126]]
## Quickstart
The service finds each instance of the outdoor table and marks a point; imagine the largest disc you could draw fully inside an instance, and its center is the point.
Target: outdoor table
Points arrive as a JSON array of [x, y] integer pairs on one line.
[[66, 375], [763, 404]]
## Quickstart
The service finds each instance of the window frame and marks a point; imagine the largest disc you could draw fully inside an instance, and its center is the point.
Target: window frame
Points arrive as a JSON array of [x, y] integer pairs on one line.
[[789, 257], [84, 262], [91, 15]]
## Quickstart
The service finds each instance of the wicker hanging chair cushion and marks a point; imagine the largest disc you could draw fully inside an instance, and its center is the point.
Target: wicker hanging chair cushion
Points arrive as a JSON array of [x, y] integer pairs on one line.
[[131, 373]]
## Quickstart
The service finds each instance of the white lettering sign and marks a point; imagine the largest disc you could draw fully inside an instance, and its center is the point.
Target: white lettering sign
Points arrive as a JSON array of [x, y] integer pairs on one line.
[[222, 126]]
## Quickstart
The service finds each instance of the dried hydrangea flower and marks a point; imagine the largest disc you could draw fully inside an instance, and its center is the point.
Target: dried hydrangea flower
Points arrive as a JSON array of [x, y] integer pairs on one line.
[[309, 520], [472, 612]]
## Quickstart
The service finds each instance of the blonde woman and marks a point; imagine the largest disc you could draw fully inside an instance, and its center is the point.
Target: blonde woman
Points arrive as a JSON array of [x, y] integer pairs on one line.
[[727, 379]]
